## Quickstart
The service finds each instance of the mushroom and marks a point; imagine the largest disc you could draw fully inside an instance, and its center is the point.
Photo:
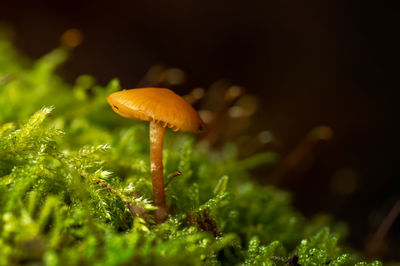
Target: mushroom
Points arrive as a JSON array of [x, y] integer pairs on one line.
[[163, 108]]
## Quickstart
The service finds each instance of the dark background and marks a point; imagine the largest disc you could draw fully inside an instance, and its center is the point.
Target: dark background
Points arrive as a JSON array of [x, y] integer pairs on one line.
[[309, 63]]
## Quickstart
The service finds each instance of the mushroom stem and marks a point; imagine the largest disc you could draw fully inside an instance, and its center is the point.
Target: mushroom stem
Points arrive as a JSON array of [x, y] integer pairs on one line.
[[157, 176]]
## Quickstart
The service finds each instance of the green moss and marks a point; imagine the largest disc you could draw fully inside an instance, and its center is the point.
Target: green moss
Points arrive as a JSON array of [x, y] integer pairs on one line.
[[73, 176]]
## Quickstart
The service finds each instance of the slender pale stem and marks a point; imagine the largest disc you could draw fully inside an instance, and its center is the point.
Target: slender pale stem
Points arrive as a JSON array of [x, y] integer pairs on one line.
[[157, 176]]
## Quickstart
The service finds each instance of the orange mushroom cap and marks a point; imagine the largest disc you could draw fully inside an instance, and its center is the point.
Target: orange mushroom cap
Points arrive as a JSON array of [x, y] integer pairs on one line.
[[159, 105]]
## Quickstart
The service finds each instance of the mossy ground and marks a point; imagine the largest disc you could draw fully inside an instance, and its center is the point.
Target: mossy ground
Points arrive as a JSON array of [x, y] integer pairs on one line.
[[74, 179]]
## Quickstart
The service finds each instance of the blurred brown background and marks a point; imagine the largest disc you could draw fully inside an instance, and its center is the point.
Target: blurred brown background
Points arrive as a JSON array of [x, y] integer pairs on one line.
[[309, 63]]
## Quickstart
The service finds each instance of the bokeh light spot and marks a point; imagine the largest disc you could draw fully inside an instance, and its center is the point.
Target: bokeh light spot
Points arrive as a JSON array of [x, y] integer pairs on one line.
[[72, 38]]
